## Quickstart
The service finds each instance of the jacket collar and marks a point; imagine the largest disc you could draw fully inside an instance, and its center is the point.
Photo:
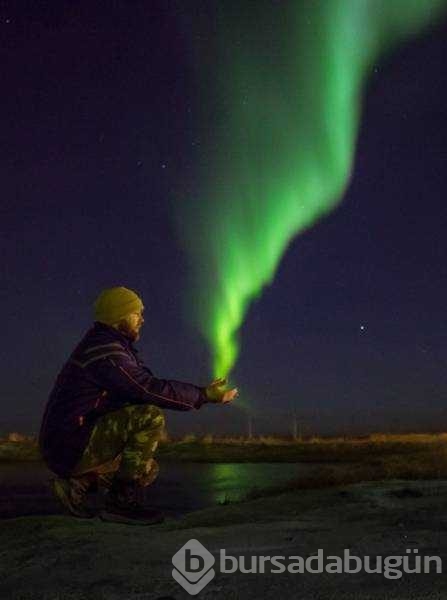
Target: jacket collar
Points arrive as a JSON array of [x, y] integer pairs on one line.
[[113, 333]]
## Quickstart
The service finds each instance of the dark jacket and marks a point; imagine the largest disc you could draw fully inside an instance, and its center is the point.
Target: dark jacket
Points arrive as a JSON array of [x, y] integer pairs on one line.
[[103, 374]]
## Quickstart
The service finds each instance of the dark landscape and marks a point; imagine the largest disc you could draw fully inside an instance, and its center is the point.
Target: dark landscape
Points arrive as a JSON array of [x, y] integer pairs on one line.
[[378, 495]]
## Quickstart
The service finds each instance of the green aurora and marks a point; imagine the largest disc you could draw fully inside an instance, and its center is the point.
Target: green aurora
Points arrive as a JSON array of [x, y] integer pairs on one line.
[[278, 90]]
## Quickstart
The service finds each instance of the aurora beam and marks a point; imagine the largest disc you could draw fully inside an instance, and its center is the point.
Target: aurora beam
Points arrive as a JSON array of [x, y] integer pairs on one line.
[[279, 91]]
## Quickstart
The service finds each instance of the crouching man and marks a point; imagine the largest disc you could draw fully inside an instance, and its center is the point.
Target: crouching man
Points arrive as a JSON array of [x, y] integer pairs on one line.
[[103, 419]]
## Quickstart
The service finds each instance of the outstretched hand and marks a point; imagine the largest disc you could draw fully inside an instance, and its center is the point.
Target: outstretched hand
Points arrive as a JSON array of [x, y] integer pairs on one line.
[[219, 393]]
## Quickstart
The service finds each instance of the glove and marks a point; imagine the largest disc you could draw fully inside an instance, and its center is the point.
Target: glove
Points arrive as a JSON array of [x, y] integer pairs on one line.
[[218, 392]]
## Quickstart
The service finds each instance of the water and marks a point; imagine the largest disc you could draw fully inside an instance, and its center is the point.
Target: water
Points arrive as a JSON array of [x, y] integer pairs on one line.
[[180, 487]]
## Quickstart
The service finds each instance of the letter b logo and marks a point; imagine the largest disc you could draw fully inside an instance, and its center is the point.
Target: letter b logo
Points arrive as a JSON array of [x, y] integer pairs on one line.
[[193, 564], [193, 567]]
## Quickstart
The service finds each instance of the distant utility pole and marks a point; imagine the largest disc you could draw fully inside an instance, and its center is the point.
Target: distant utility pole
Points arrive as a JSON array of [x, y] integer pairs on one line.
[[250, 427], [296, 426]]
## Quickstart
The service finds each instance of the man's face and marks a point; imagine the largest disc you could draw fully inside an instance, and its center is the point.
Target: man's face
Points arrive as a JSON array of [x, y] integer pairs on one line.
[[132, 324]]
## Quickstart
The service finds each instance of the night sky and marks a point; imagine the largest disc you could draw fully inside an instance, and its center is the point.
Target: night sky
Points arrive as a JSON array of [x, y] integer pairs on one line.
[[97, 131]]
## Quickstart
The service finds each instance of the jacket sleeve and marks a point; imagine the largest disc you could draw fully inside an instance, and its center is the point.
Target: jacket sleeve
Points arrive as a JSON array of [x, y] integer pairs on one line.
[[124, 377]]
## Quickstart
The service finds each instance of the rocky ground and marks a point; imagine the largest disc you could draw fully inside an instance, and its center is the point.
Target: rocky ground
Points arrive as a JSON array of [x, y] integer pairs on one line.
[[61, 558]]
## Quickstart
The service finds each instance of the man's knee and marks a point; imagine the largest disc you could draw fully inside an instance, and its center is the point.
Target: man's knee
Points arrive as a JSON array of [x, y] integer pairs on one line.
[[157, 417], [143, 415]]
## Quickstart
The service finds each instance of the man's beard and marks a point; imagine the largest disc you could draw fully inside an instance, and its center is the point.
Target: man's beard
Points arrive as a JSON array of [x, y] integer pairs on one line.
[[130, 332]]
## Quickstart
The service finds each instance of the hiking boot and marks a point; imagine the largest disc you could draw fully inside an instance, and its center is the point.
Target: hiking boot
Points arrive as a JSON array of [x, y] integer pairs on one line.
[[105, 480], [72, 494], [122, 505]]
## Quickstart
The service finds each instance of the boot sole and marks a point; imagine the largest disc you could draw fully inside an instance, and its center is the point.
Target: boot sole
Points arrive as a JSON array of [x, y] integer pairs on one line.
[[111, 517]]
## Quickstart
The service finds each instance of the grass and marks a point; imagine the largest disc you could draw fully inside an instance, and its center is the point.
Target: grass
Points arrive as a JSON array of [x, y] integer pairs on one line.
[[274, 448], [277, 449], [19, 451], [346, 460]]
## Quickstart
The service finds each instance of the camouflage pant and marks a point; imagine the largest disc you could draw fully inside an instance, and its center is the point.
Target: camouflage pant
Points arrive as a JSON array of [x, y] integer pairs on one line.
[[123, 442]]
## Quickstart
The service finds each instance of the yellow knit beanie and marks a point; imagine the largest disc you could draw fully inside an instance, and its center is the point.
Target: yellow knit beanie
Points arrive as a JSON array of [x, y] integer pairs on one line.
[[113, 304]]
